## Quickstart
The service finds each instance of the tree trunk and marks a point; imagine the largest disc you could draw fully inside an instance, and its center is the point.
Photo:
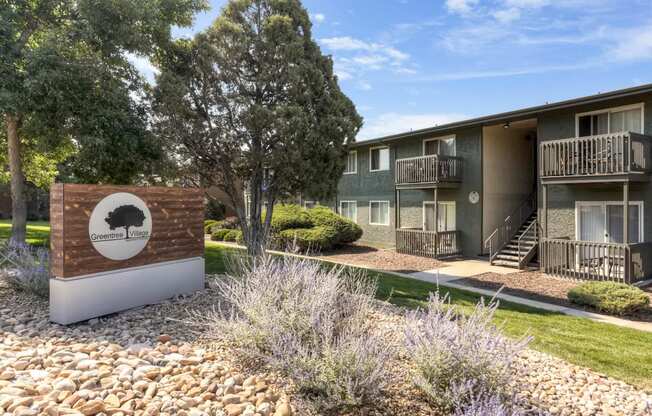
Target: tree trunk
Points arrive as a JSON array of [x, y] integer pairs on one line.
[[256, 238], [18, 204]]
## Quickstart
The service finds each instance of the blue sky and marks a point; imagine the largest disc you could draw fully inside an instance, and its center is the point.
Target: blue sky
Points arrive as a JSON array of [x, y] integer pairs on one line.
[[410, 64]]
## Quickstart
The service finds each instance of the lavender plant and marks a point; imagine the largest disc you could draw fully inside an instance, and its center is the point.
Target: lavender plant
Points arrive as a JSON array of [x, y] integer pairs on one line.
[[308, 321], [25, 267], [457, 356], [492, 405]]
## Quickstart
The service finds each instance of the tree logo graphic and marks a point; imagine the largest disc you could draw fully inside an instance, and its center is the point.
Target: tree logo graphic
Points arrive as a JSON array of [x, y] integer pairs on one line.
[[125, 216], [110, 216]]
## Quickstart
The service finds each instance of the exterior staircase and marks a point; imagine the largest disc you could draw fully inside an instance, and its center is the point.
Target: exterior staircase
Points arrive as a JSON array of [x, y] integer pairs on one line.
[[515, 242], [518, 252]]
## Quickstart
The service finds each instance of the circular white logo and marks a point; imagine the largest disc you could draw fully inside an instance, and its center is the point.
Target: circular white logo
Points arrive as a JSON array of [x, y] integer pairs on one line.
[[120, 226], [474, 197]]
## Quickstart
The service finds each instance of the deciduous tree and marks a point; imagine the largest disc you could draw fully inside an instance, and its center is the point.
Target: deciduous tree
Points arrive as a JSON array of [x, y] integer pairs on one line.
[[60, 60], [252, 103]]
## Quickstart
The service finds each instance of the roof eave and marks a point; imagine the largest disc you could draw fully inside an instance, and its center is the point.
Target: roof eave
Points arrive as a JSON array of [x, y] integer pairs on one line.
[[512, 115]]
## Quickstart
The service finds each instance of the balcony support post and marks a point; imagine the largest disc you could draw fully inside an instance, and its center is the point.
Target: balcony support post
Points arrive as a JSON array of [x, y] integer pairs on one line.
[[627, 261], [436, 199], [625, 213], [397, 213], [544, 216]]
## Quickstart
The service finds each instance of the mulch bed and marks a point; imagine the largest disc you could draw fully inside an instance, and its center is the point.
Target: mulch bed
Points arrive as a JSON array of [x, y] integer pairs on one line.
[[385, 259], [538, 286]]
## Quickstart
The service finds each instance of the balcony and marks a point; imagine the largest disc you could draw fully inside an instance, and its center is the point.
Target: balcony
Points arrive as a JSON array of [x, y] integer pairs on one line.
[[428, 172], [615, 157], [428, 243], [586, 260]]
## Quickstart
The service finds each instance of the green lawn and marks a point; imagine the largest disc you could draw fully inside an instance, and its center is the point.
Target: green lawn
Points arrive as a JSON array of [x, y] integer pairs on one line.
[[619, 352], [38, 232]]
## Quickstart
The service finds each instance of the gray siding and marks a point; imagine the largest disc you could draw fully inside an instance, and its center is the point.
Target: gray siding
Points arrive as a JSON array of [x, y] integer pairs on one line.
[[368, 186], [562, 198]]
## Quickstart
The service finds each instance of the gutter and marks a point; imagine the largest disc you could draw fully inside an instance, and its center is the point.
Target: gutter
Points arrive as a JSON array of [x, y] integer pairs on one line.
[[512, 115]]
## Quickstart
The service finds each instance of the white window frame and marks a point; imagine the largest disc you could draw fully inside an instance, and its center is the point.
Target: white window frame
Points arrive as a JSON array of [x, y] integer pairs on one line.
[[355, 164], [389, 157], [423, 214], [610, 110], [355, 203], [603, 205], [450, 136], [388, 213]]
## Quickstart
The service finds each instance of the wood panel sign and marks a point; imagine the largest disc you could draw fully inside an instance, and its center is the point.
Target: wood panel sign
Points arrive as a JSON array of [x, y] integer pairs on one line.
[[118, 247], [99, 228]]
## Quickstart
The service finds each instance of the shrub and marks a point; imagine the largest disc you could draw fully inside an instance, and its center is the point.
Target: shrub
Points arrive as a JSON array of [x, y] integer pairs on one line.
[[230, 223], [208, 226], [239, 238], [308, 239], [233, 236], [215, 209], [458, 357], [219, 234], [289, 216], [347, 230], [312, 324], [609, 297], [26, 268]]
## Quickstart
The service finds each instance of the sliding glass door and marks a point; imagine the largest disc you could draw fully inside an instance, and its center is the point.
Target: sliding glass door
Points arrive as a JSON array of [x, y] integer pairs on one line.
[[445, 214], [603, 222]]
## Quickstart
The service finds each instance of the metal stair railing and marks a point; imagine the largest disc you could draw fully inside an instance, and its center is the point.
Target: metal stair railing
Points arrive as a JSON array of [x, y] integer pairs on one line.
[[532, 232], [502, 235]]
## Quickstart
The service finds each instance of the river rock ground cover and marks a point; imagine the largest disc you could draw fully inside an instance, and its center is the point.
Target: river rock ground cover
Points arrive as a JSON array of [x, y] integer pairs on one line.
[[148, 362]]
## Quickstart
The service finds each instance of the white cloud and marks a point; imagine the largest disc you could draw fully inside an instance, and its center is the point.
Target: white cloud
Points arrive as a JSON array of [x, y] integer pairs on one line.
[[355, 55], [393, 123], [371, 61], [318, 17], [527, 3], [345, 43], [396, 54], [343, 75], [461, 6], [634, 45], [364, 86], [144, 66], [508, 72], [507, 15]]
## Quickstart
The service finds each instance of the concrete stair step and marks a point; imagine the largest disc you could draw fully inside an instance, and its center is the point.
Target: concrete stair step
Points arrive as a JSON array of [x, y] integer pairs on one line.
[[507, 257], [505, 263]]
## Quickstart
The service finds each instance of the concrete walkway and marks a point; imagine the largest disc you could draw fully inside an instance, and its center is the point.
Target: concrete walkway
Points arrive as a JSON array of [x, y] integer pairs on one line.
[[455, 270]]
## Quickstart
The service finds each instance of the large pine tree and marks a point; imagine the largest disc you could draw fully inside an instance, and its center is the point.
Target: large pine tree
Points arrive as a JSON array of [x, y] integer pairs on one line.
[[252, 103]]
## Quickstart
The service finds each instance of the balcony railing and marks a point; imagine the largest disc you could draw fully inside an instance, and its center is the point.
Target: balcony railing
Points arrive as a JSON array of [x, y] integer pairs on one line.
[[606, 154], [431, 169], [428, 243], [588, 260]]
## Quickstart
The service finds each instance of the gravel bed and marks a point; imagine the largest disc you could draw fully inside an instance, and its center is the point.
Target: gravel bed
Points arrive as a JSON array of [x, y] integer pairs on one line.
[[142, 362], [360, 254], [547, 384], [538, 286], [138, 362]]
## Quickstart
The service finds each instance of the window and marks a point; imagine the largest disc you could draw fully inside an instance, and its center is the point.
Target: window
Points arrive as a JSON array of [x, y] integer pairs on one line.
[[603, 221], [351, 163], [378, 158], [445, 214], [444, 146], [349, 209], [613, 120], [379, 212]]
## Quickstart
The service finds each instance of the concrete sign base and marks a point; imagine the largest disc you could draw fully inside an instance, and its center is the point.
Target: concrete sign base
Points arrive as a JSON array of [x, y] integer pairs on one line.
[[86, 297]]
